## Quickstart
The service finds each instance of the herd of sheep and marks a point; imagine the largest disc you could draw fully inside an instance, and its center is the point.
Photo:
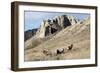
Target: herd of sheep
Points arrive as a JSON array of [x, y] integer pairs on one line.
[[57, 52]]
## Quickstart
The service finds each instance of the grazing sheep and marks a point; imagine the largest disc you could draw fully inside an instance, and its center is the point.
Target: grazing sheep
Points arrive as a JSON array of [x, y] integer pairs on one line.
[[60, 50], [46, 52], [70, 47], [53, 52]]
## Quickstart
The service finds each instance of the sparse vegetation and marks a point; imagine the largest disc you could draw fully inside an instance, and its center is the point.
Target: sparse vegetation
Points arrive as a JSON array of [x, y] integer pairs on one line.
[[75, 44]]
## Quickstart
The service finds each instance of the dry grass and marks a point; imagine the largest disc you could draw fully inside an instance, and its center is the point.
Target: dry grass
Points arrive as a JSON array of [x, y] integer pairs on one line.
[[78, 35]]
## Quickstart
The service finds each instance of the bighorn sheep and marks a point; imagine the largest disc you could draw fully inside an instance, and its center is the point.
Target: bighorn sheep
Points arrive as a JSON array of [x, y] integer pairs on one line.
[[60, 50], [70, 47], [46, 52], [53, 52]]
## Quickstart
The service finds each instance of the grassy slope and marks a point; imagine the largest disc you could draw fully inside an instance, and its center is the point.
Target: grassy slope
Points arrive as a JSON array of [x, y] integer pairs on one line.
[[78, 35]]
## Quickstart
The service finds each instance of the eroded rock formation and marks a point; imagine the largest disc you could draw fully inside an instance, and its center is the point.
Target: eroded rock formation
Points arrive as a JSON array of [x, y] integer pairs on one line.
[[58, 23]]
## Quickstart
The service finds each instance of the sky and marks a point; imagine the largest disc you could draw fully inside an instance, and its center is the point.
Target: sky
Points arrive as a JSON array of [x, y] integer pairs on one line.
[[33, 19]]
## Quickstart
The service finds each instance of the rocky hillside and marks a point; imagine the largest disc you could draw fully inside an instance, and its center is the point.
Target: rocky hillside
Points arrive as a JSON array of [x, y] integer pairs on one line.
[[29, 33], [76, 34], [49, 28]]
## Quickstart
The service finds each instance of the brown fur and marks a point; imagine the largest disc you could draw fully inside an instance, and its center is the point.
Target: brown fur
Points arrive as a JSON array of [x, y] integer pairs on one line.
[[70, 47]]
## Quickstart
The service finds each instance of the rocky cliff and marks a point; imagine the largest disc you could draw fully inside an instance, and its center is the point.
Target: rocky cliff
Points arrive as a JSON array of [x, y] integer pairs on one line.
[[51, 26]]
